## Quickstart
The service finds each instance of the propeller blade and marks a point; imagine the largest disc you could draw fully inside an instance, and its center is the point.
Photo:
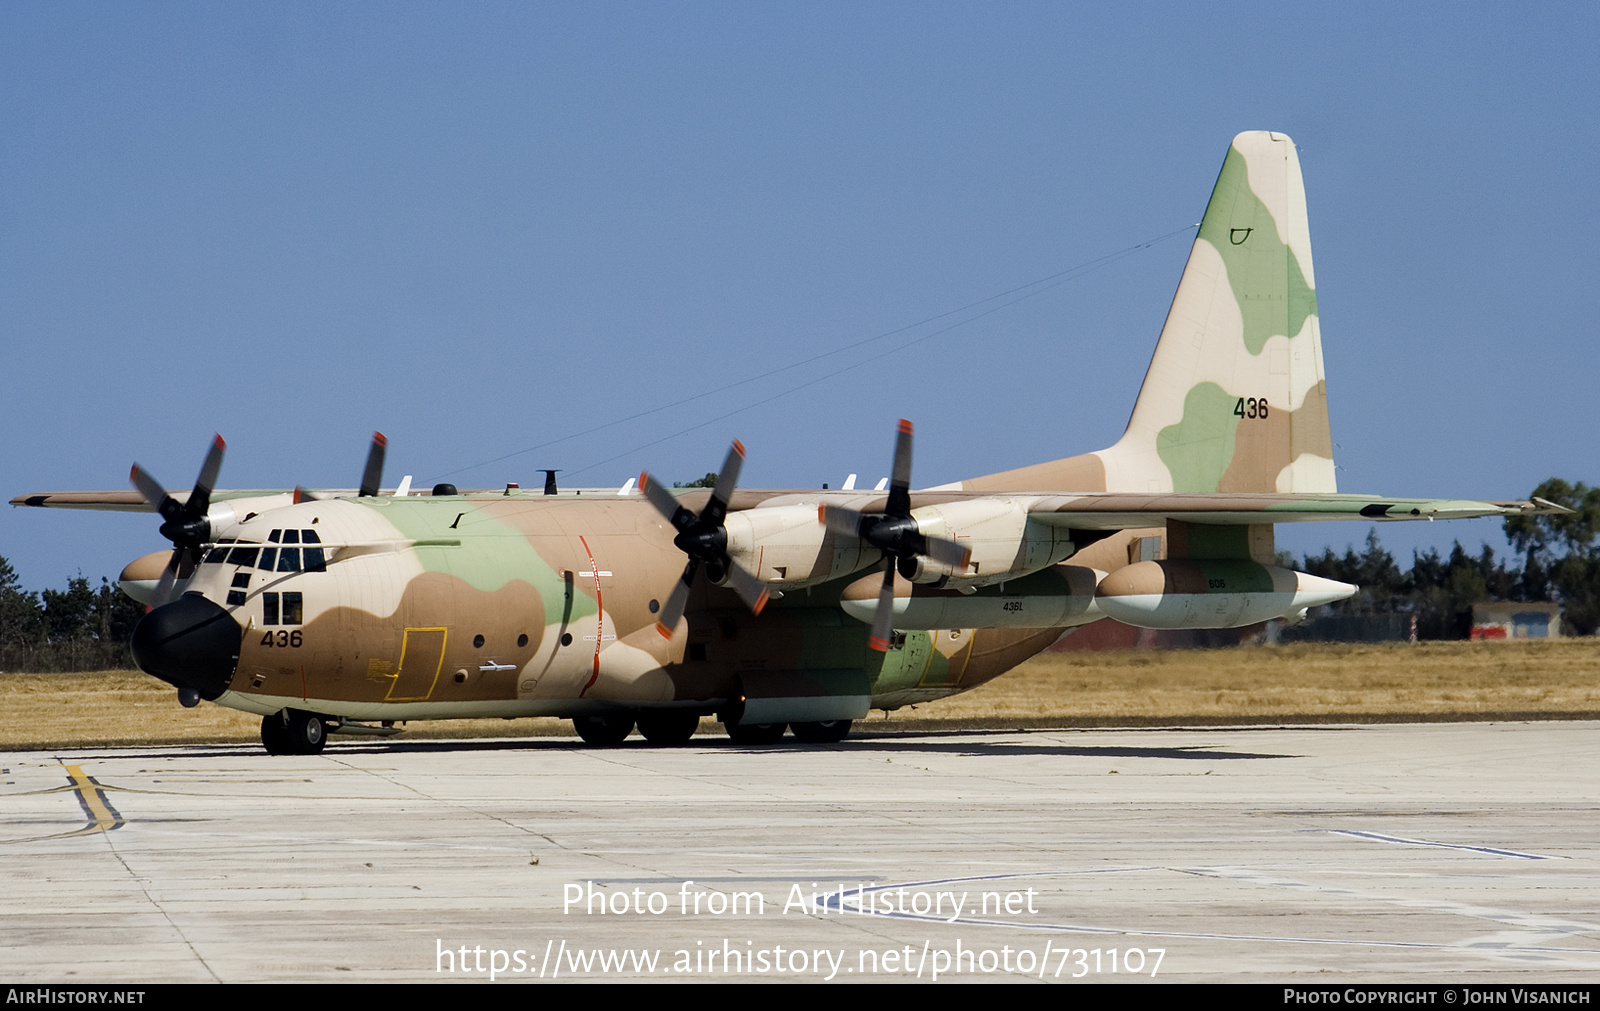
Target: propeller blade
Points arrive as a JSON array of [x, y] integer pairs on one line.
[[672, 613], [900, 484], [727, 481], [169, 578], [153, 493], [665, 502], [883, 615], [200, 499], [373, 475], [946, 552], [749, 588], [841, 520]]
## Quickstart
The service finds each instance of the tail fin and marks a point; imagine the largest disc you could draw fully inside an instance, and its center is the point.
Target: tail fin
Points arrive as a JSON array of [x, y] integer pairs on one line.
[[1234, 399]]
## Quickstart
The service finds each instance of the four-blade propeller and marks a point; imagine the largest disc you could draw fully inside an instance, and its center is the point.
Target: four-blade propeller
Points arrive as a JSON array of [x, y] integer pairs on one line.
[[894, 532], [705, 540], [183, 523]]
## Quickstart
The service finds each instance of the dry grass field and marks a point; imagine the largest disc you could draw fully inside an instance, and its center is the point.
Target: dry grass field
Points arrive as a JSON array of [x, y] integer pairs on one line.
[[1300, 683]]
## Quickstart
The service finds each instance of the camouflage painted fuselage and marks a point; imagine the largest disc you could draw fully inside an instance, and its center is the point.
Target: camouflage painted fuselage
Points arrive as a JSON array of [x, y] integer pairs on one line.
[[524, 605]]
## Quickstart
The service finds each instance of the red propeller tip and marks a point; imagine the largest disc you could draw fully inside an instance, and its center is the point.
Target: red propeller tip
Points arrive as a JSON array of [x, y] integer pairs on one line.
[[905, 426]]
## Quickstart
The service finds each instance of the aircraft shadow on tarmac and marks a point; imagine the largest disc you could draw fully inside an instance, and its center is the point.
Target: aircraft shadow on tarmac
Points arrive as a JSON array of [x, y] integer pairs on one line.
[[956, 743]]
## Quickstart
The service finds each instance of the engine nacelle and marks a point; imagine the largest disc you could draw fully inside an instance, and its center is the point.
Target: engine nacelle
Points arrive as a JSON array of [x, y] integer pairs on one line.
[[785, 547], [1061, 595], [1211, 593], [1004, 542]]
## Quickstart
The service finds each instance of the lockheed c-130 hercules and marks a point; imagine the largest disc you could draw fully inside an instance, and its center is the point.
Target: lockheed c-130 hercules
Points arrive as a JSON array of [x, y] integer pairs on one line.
[[797, 609]]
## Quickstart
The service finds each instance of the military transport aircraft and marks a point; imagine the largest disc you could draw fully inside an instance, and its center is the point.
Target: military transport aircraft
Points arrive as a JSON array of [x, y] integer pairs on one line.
[[329, 612]]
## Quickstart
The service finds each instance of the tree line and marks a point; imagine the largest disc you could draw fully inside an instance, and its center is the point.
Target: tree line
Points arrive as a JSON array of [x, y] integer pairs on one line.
[[1557, 560], [83, 627], [86, 627]]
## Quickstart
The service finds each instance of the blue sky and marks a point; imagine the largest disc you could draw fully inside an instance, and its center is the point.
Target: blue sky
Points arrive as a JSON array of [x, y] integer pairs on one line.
[[481, 228]]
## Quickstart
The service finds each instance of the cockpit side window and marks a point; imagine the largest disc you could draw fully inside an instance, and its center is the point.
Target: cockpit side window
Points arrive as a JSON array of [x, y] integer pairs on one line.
[[291, 611]]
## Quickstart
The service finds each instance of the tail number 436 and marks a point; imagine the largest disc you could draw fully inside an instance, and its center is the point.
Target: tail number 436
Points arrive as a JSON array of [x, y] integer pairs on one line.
[[1251, 407]]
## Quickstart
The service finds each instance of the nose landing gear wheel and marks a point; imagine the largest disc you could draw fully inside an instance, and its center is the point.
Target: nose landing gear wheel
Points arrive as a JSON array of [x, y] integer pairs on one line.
[[821, 732], [293, 732], [603, 731]]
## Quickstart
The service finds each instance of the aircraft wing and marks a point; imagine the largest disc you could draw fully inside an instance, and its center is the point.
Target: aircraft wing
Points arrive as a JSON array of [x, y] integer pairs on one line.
[[1120, 511], [133, 502]]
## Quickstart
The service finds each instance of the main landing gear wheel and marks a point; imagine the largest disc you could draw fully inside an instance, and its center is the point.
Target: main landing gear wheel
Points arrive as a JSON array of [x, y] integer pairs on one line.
[[603, 731], [821, 732], [668, 727], [293, 732], [755, 733]]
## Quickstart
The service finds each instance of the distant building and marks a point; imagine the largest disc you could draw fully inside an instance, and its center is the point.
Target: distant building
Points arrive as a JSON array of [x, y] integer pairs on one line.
[[1516, 621]]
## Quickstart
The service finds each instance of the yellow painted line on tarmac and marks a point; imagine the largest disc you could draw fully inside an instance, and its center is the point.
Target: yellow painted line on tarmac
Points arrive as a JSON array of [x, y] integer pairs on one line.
[[91, 797], [102, 816]]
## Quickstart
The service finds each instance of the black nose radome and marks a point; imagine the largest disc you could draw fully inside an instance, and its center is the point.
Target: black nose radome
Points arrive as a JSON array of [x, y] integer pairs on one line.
[[190, 643]]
